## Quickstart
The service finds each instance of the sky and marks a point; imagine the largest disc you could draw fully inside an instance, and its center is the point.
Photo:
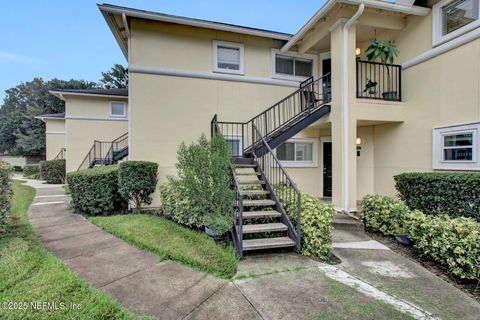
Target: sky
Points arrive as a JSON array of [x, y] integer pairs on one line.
[[71, 40]]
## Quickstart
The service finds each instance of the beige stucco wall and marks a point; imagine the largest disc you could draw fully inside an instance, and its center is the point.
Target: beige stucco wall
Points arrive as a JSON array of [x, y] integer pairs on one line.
[[81, 133], [54, 137], [442, 91], [166, 110]]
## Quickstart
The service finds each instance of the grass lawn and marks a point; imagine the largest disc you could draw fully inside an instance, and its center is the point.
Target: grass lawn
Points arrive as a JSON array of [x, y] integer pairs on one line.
[[29, 274], [170, 241], [66, 188]]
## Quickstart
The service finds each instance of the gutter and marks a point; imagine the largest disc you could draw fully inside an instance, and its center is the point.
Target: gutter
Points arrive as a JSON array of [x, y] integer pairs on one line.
[[375, 4], [345, 105]]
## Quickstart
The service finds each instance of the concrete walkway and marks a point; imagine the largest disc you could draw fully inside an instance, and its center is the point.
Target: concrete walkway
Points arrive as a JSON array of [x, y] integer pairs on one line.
[[272, 286]]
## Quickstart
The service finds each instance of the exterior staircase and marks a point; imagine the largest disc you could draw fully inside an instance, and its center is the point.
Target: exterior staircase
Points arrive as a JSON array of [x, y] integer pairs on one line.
[[267, 203], [106, 152]]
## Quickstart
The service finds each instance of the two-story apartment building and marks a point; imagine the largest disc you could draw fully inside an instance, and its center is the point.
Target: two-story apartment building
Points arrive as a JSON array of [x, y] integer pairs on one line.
[[423, 115], [93, 119]]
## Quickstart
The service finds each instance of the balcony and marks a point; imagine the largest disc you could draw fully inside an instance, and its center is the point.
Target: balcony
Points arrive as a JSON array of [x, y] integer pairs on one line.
[[379, 81]]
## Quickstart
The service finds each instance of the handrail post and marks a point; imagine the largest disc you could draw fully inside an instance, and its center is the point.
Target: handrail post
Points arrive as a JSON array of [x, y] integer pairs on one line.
[[299, 223]]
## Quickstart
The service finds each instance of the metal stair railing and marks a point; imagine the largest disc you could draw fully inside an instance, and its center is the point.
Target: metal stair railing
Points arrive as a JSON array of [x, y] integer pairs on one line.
[[282, 188], [61, 155], [237, 230], [103, 152], [311, 95]]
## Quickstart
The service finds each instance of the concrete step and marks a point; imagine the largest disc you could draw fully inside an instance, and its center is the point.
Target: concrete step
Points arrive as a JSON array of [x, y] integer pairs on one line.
[[258, 203], [268, 243], [252, 173], [261, 214], [345, 222], [264, 227], [259, 192], [245, 165], [251, 181]]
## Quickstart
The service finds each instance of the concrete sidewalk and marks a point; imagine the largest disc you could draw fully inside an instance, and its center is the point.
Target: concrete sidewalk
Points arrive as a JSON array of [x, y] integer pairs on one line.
[[269, 286]]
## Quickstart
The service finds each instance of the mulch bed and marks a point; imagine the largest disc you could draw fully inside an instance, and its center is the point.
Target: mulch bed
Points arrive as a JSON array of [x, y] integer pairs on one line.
[[470, 287]]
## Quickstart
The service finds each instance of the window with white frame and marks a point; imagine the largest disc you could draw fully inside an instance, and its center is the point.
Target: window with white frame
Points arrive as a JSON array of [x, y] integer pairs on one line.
[[452, 18], [288, 66], [456, 147], [297, 153], [228, 57], [118, 109], [235, 144]]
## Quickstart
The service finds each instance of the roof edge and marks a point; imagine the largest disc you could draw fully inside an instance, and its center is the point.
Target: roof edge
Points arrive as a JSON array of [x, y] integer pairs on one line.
[[60, 94], [408, 9], [156, 16]]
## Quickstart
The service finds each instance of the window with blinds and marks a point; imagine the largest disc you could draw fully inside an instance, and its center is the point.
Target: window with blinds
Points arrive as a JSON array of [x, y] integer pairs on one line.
[[457, 14], [228, 57], [453, 18], [292, 67]]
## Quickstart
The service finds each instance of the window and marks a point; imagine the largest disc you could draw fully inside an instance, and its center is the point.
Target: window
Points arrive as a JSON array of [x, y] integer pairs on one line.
[[452, 18], [456, 147], [227, 57], [236, 145], [297, 153], [118, 109], [291, 66]]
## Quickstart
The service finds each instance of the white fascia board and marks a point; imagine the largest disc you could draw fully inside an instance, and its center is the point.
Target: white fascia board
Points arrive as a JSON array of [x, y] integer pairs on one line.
[[413, 10], [192, 22], [61, 95]]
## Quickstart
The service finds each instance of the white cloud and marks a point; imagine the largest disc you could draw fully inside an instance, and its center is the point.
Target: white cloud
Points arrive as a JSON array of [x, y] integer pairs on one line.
[[16, 58]]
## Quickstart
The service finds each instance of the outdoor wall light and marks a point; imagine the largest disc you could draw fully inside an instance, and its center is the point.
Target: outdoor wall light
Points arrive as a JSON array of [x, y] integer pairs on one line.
[[358, 141], [358, 51]]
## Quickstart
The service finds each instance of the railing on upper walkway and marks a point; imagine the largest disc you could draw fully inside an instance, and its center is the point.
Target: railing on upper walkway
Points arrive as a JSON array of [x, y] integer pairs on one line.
[[379, 81], [309, 97]]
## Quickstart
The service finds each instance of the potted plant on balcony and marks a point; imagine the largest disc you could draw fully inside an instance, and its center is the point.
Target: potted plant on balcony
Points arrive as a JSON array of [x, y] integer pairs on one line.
[[385, 51], [370, 87]]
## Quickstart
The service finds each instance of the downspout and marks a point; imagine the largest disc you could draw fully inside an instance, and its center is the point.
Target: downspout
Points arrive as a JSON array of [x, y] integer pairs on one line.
[[345, 106]]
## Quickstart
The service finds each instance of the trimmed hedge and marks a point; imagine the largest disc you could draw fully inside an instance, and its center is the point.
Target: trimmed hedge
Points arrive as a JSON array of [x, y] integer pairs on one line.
[[137, 181], [95, 191], [383, 214], [53, 171], [32, 171], [316, 228], [456, 194], [452, 242], [5, 189]]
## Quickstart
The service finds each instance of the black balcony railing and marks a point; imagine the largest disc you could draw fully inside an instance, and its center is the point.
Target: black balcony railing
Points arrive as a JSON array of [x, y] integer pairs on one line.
[[379, 81]]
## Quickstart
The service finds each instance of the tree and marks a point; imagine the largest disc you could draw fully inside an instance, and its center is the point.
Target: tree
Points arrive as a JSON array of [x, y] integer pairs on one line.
[[117, 77], [20, 132]]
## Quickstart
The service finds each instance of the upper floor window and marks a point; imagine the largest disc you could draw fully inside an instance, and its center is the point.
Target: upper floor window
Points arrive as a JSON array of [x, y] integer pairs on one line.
[[452, 18], [291, 66], [456, 147], [118, 109], [228, 57]]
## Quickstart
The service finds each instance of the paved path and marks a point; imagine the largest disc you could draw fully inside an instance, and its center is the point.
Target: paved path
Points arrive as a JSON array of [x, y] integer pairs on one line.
[[273, 286]]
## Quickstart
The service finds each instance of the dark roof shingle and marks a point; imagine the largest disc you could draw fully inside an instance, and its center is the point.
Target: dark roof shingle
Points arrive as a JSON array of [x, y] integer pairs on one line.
[[100, 91]]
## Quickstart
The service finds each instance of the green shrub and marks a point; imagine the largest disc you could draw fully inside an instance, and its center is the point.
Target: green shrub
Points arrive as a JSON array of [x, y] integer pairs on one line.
[[17, 169], [383, 214], [53, 171], [95, 191], [32, 171], [137, 181], [452, 242], [316, 223], [5, 189], [455, 194], [201, 194]]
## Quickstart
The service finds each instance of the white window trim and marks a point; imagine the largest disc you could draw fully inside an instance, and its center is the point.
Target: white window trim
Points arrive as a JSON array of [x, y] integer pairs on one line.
[[234, 45], [124, 115], [437, 37], [302, 164], [240, 142], [438, 161], [282, 76]]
